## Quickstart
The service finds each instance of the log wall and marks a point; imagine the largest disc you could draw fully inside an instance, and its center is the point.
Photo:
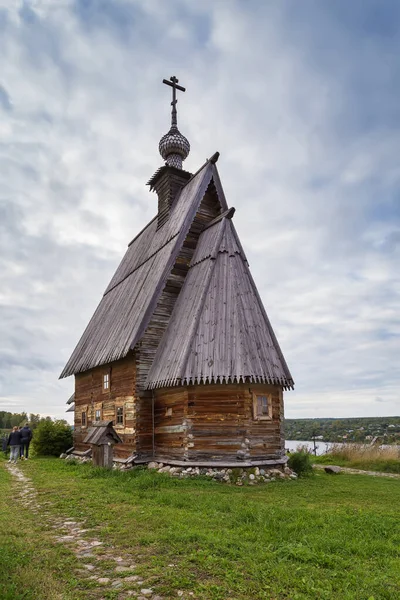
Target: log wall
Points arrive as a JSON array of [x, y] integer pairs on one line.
[[170, 426], [266, 436], [202, 422], [217, 422], [90, 396]]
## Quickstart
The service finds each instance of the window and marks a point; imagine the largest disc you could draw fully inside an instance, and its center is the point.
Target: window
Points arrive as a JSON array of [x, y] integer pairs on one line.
[[106, 381], [120, 415], [83, 419], [97, 416], [168, 412], [262, 406]]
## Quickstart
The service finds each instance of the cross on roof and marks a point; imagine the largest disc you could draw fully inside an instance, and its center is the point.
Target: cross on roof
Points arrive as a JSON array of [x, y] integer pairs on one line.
[[173, 82]]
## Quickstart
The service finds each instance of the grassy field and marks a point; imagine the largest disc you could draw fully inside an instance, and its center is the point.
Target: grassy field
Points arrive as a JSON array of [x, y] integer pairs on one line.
[[358, 456], [321, 537], [31, 567]]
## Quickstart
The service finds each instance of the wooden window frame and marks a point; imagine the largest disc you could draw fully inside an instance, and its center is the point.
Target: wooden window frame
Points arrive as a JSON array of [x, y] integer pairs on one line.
[[257, 416], [123, 416], [97, 410], [84, 418], [106, 379]]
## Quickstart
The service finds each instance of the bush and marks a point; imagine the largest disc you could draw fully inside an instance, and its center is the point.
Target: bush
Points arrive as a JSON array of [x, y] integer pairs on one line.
[[51, 438], [300, 463]]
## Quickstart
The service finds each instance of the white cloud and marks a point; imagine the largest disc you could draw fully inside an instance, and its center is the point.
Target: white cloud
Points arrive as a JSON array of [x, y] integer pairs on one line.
[[316, 195]]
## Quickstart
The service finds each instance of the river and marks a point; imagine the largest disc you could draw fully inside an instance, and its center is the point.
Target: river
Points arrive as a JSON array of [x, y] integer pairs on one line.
[[321, 446]]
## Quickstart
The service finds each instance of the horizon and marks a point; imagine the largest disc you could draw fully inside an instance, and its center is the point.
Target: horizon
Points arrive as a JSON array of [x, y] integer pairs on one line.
[[285, 418]]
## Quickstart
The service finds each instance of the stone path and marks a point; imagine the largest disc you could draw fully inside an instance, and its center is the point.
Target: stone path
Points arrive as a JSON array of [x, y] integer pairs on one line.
[[98, 564], [360, 472]]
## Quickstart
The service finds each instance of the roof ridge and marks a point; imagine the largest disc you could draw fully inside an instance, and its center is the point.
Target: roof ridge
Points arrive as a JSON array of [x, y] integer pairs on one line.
[[212, 160], [177, 245], [226, 214], [218, 185], [239, 243], [218, 246]]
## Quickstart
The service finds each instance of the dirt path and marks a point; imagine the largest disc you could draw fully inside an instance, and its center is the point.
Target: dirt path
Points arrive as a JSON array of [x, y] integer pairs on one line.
[[360, 472], [100, 565]]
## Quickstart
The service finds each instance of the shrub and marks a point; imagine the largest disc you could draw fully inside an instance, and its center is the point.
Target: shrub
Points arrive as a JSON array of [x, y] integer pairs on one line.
[[51, 438], [300, 463]]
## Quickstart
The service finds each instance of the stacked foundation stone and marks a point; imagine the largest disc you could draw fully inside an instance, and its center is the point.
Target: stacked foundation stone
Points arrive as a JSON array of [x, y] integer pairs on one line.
[[238, 476]]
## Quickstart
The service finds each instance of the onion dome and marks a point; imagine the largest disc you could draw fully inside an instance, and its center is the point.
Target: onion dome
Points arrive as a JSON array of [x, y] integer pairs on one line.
[[174, 147]]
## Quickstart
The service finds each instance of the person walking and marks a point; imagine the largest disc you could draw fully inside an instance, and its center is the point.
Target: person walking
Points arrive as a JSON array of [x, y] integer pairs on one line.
[[21, 451], [14, 441], [26, 437]]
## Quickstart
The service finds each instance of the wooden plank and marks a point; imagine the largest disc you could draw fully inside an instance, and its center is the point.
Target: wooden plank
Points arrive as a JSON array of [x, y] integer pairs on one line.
[[90, 396]]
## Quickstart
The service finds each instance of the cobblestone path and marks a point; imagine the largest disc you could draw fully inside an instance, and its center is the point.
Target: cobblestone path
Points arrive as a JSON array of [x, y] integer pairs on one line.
[[106, 570]]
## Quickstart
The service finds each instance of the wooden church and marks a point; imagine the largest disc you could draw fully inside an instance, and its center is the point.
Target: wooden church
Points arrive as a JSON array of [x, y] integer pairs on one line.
[[180, 353]]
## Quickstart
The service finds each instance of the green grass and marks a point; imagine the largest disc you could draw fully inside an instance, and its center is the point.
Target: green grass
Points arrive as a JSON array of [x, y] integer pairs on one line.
[[318, 538], [383, 466], [31, 567]]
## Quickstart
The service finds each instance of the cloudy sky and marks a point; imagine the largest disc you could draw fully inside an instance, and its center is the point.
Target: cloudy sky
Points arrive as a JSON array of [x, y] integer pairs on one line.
[[302, 101]]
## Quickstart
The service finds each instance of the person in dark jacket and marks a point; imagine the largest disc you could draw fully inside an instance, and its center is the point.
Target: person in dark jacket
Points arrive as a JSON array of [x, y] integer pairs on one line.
[[21, 451], [26, 436], [14, 441]]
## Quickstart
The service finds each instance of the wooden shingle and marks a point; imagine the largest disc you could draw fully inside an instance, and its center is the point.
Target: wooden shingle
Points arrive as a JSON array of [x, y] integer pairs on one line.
[[219, 331]]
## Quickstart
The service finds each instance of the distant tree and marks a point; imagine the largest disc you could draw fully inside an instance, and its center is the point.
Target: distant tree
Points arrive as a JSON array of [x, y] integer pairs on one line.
[[18, 419], [34, 420], [51, 438]]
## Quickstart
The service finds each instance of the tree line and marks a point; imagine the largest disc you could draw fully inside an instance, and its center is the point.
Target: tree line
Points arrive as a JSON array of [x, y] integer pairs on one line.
[[8, 420], [51, 437]]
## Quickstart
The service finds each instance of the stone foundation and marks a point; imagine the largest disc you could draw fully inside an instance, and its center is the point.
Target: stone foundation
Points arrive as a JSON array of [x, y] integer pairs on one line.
[[237, 475]]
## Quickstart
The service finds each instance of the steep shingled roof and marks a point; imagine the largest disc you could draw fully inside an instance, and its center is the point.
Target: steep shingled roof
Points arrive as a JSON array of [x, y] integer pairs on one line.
[[129, 300], [219, 330]]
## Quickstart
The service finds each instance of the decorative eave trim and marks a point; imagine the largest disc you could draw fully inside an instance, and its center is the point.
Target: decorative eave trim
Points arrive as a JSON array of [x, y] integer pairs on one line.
[[286, 384]]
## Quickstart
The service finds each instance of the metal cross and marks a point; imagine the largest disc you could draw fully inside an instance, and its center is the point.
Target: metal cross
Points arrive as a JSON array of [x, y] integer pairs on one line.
[[173, 82]]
